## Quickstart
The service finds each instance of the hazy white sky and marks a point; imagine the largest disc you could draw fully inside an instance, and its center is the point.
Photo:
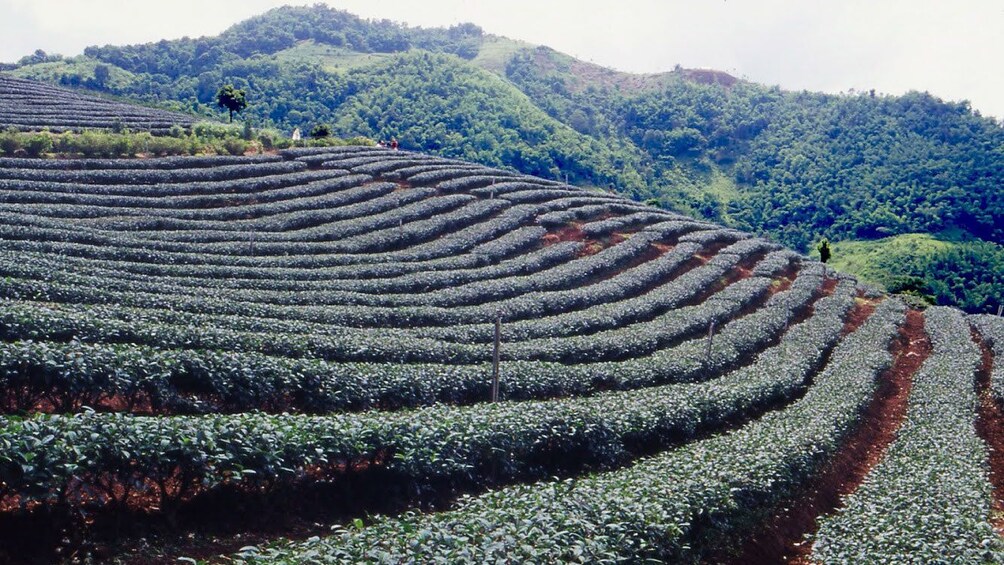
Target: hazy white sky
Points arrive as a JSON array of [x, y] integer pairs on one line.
[[954, 49]]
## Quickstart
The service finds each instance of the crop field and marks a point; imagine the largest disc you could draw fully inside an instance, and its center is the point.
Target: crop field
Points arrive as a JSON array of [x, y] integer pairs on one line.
[[28, 105], [289, 358]]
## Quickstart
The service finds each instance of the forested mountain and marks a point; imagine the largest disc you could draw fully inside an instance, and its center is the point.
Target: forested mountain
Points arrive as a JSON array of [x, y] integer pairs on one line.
[[798, 166]]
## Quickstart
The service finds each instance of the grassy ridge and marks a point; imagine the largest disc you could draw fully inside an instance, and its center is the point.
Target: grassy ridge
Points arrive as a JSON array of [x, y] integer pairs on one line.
[[946, 268]]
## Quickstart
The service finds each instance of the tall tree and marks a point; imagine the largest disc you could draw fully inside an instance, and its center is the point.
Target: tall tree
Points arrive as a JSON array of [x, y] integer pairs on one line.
[[233, 99], [102, 73]]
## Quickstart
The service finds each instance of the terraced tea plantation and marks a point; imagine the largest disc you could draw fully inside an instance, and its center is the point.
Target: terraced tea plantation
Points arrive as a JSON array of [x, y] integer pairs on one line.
[[289, 358], [28, 105]]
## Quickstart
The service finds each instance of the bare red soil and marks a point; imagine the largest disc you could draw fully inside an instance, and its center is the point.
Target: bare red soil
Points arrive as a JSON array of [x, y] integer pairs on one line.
[[56, 401], [990, 427], [829, 285], [571, 232], [653, 251], [782, 538], [784, 282], [803, 313], [862, 310], [594, 246], [741, 271], [102, 517]]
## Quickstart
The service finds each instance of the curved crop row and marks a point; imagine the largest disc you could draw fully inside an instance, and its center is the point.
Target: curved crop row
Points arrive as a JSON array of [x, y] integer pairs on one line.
[[992, 330], [679, 506], [182, 332], [929, 498], [510, 440], [30, 105], [348, 344]]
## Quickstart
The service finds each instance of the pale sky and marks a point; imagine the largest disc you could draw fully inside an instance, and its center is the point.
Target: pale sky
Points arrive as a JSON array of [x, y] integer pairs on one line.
[[953, 49]]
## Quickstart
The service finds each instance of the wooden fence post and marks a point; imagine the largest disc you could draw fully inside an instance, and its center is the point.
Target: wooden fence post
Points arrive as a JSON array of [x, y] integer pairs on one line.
[[711, 337], [495, 357]]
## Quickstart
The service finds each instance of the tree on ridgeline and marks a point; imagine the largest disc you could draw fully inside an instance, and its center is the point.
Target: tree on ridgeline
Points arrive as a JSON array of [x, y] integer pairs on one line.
[[233, 99], [102, 73]]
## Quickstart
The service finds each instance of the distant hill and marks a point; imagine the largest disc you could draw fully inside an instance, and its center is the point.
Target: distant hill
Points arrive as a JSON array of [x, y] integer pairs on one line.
[[796, 166], [28, 105]]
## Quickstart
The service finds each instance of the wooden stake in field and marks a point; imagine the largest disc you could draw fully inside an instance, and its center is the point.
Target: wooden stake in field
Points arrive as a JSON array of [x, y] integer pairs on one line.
[[400, 221], [711, 337], [495, 357]]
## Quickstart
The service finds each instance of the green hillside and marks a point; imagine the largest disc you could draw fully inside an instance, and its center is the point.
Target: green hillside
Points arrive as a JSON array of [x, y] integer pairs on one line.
[[796, 166], [940, 267]]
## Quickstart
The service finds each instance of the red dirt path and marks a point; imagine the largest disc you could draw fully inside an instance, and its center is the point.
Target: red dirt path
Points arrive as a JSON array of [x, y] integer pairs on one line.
[[990, 427], [781, 540], [862, 310], [571, 232]]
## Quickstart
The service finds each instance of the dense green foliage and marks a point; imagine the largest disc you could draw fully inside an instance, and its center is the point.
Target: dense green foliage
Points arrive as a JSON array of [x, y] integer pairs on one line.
[[885, 164], [806, 164], [280, 29], [968, 275], [511, 440], [233, 99], [684, 505], [824, 251]]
